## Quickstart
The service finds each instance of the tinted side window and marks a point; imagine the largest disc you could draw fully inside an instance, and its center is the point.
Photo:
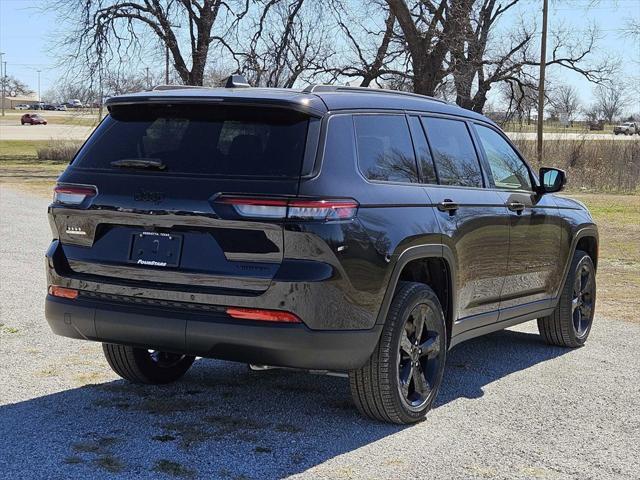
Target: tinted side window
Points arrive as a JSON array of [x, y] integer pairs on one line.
[[507, 169], [384, 146], [422, 151], [453, 152]]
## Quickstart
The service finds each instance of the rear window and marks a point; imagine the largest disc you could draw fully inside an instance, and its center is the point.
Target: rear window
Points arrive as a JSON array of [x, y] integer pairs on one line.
[[200, 139]]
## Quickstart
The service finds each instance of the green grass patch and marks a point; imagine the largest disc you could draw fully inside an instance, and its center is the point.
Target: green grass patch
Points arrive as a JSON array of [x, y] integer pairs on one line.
[[173, 469], [109, 463]]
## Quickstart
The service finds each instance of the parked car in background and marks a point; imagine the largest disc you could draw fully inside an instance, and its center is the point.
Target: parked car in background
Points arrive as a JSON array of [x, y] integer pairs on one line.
[[61, 108], [627, 128], [33, 119], [74, 103], [48, 106], [22, 106], [337, 229]]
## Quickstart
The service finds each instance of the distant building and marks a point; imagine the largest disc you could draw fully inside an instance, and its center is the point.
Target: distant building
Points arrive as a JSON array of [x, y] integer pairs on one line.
[[11, 102]]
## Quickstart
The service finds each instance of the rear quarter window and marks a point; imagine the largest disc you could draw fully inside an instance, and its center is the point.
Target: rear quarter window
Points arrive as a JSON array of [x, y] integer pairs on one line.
[[201, 139], [385, 151]]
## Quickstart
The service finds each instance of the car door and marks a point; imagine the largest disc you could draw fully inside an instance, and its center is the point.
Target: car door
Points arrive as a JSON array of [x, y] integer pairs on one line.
[[535, 228], [474, 220]]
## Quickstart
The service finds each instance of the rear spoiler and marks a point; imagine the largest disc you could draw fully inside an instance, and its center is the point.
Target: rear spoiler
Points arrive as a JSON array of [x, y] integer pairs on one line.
[[304, 103]]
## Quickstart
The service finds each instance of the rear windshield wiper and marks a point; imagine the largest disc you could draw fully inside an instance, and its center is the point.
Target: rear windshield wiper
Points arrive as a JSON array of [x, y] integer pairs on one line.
[[139, 163]]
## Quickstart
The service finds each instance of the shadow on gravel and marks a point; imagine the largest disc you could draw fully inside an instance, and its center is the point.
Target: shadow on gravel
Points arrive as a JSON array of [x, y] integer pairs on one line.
[[223, 421]]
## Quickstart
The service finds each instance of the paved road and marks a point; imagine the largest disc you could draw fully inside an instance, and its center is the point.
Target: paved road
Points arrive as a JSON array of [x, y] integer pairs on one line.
[[510, 407], [44, 132], [11, 130], [571, 136]]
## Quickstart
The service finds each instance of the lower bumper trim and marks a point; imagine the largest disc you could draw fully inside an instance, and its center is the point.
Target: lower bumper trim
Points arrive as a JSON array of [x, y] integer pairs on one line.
[[212, 334]]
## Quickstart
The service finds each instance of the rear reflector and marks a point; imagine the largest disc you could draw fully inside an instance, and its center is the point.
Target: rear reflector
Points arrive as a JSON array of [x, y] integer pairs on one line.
[[73, 194], [293, 209], [262, 315], [63, 292]]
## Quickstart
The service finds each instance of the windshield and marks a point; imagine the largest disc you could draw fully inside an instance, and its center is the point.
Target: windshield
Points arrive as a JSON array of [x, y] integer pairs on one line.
[[199, 139]]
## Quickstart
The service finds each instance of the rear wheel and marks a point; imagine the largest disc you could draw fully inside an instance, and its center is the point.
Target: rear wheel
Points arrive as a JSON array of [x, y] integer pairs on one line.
[[400, 381], [570, 323], [139, 365]]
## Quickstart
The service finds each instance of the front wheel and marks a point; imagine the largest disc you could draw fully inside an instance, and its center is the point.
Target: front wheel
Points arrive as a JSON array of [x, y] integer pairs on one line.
[[139, 365], [400, 381], [570, 323]]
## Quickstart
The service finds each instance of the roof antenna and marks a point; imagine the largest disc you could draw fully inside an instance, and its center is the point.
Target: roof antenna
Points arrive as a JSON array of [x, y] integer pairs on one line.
[[236, 81]]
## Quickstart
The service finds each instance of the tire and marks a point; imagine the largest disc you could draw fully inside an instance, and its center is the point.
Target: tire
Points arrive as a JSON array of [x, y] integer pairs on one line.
[[570, 323], [377, 388], [139, 365]]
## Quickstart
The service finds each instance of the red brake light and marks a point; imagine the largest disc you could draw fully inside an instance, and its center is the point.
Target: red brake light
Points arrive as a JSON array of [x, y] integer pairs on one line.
[[292, 208], [73, 194], [262, 315], [323, 209], [63, 292]]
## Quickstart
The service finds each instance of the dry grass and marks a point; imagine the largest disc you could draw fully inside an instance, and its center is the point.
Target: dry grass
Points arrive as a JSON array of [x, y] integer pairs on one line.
[[618, 219], [592, 165], [58, 151]]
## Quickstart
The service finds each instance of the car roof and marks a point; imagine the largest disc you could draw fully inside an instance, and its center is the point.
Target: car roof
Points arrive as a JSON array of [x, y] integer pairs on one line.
[[313, 100]]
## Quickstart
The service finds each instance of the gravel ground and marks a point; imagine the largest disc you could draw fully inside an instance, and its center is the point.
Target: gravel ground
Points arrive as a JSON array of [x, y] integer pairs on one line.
[[510, 407]]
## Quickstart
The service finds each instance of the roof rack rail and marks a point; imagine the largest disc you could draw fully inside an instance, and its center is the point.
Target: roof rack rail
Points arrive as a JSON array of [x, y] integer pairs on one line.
[[344, 88], [176, 87]]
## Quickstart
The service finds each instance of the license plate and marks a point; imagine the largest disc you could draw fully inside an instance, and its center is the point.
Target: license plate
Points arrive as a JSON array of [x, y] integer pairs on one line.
[[156, 249]]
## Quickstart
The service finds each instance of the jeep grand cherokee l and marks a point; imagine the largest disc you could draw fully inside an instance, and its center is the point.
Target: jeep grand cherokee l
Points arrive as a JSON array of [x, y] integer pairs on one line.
[[348, 230]]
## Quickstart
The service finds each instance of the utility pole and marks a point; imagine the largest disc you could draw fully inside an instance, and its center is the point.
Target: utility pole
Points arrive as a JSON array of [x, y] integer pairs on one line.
[[543, 65], [39, 97], [166, 65], [148, 81], [2, 77]]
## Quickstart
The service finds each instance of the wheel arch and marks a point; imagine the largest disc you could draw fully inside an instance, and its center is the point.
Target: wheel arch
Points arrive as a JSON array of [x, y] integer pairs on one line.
[[586, 239], [433, 265]]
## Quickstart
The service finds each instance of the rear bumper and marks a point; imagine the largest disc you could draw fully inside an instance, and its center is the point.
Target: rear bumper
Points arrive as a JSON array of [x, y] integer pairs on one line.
[[211, 334]]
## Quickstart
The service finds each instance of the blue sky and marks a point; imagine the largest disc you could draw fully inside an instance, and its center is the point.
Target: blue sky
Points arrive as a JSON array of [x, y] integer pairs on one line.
[[27, 33]]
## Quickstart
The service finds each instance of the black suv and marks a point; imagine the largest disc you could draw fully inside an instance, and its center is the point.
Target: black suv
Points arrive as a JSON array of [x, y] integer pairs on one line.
[[334, 229]]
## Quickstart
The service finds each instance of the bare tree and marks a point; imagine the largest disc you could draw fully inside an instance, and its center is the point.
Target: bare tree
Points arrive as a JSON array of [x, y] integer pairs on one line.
[[14, 87], [427, 28], [288, 40], [610, 102], [114, 31], [565, 102], [372, 49]]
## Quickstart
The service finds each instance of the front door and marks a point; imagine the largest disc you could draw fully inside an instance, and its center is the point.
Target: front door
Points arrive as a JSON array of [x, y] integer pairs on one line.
[[535, 230]]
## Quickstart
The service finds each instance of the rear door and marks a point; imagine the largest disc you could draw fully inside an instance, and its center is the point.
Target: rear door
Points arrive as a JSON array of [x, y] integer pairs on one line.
[[535, 238], [474, 220], [166, 181]]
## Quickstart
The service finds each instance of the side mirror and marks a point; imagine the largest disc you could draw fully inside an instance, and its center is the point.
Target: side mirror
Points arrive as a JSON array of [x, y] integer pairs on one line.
[[552, 180]]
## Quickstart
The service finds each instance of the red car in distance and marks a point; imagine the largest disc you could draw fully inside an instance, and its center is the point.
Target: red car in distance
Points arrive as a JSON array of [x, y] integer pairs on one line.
[[32, 119]]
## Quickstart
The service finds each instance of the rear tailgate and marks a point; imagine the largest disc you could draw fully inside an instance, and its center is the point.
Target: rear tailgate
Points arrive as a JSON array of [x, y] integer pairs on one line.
[[161, 224]]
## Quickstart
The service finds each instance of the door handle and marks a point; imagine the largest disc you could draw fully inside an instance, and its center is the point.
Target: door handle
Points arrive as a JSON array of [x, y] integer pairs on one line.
[[448, 205], [516, 207]]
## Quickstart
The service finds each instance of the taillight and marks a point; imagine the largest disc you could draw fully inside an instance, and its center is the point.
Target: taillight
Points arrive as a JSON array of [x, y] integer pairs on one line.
[[62, 292], [292, 208], [262, 315], [73, 194]]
